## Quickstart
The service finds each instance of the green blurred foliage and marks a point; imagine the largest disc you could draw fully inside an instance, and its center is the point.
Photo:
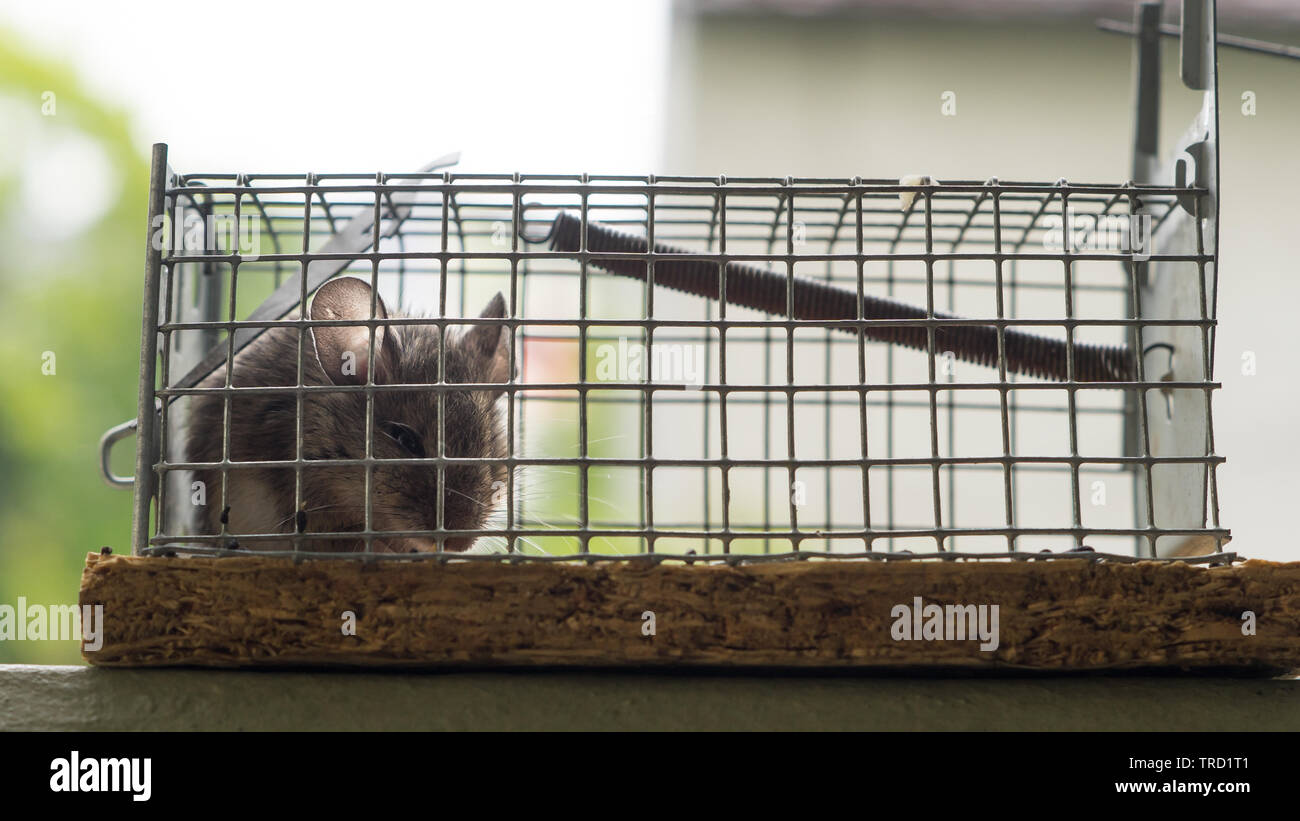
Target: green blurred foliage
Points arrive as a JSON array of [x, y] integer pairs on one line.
[[78, 297]]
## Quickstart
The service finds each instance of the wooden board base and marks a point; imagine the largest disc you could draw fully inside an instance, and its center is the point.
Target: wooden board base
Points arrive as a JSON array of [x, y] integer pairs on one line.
[[1059, 615]]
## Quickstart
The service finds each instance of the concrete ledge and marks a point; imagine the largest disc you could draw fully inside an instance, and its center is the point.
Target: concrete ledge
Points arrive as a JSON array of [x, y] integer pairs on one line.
[[83, 698]]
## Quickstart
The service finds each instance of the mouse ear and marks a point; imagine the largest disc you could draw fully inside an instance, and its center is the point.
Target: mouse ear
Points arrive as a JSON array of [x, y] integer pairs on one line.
[[490, 344], [344, 351]]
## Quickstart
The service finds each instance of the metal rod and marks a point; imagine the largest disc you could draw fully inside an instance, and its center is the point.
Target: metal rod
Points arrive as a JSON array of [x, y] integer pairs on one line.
[[146, 434], [1229, 40], [812, 300]]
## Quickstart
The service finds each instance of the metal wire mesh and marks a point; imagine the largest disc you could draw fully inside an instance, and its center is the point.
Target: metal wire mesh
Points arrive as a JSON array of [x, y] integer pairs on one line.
[[646, 422]]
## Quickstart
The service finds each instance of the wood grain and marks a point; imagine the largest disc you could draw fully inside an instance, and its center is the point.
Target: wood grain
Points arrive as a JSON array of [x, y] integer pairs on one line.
[[1060, 615]]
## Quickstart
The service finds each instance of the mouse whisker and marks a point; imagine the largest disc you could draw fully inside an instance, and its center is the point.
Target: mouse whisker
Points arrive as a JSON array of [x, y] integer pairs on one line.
[[602, 439], [467, 496], [542, 495], [532, 544]]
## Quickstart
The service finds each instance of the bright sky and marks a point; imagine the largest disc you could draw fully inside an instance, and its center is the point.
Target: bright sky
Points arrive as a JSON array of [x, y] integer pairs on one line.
[[376, 85]]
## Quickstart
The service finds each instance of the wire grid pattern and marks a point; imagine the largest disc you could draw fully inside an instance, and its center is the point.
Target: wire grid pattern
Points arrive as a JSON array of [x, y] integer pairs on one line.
[[798, 437]]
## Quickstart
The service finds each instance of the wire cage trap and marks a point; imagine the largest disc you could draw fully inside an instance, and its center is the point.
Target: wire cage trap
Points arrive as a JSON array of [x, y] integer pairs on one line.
[[694, 368]]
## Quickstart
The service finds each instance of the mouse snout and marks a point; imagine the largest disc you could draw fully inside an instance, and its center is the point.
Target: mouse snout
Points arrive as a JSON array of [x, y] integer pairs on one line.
[[458, 544], [422, 544]]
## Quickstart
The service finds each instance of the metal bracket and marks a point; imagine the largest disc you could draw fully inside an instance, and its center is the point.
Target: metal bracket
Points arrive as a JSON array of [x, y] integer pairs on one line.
[[1191, 170], [1177, 419]]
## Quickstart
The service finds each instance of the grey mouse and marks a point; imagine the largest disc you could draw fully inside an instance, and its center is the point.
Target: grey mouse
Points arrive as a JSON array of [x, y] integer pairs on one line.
[[260, 500]]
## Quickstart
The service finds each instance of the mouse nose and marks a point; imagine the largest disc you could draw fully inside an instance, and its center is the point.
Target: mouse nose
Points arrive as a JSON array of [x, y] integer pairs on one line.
[[452, 544]]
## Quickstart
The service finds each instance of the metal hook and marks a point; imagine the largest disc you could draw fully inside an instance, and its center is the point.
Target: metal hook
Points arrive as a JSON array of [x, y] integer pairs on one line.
[[1167, 376], [110, 438]]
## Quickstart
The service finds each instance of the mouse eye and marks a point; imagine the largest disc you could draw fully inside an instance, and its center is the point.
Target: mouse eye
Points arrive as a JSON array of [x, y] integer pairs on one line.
[[404, 436]]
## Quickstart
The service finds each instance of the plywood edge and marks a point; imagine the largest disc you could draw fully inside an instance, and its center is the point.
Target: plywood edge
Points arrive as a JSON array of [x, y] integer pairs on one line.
[[1057, 615]]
